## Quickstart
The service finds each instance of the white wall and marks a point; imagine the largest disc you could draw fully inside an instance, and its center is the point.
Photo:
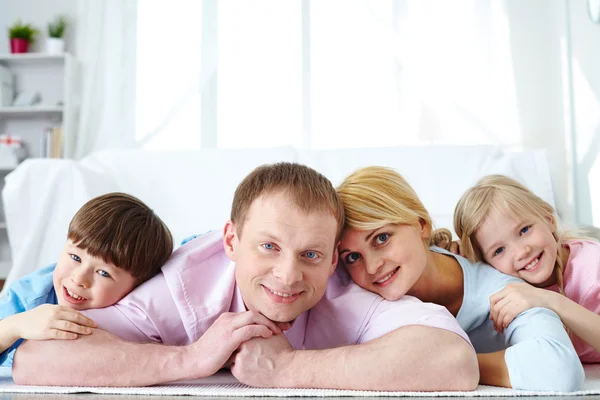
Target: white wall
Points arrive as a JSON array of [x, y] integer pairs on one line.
[[537, 31], [585, 40], [38, 13], [540, 31]]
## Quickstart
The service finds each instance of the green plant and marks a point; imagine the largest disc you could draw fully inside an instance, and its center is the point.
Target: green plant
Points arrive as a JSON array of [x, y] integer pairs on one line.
[[57, 28], [19, 30]]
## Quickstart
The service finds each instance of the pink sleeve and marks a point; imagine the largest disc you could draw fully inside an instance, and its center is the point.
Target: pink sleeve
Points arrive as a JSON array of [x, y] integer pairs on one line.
[[582, 277], [390, 315], [147, 314]]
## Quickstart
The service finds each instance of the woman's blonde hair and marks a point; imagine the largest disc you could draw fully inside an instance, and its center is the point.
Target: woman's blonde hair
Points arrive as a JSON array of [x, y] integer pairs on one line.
[[503, 194], [377, 196]]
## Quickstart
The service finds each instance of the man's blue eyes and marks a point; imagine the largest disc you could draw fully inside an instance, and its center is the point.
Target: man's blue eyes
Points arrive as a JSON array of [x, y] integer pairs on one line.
[[524, 230], [75, 257], [311, 255]]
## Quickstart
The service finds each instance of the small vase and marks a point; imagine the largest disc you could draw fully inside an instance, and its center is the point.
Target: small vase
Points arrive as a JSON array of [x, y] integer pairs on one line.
[[19, 45], [55, 45]]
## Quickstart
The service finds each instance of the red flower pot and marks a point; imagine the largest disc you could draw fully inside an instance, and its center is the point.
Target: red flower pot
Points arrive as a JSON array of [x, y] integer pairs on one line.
[[19, 45]]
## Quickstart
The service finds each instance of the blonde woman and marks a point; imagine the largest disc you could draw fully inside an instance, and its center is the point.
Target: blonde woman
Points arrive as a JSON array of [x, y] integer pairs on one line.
[[503, 223], [385, 248]]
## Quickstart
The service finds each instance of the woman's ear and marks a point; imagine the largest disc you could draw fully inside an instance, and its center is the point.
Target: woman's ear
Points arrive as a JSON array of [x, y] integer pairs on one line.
[[425, 229]]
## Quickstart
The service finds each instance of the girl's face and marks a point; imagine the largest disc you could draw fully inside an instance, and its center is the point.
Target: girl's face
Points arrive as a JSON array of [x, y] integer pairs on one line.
[[525, 249], [388, 260]]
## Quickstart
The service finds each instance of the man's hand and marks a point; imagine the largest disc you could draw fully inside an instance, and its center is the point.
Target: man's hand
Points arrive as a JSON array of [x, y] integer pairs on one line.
[[262, 362], [49, 321], [514, 299], [226, 334]]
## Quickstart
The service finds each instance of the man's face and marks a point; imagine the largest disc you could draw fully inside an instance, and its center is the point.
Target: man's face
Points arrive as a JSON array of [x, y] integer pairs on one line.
[[284, 257]]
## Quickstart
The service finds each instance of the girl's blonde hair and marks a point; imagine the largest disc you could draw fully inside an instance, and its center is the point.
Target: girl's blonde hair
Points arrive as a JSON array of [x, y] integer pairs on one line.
[[506, 195], [377, 196]]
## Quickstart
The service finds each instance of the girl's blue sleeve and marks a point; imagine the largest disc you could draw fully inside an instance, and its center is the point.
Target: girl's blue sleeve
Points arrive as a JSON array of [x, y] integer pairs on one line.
[[541, 355]]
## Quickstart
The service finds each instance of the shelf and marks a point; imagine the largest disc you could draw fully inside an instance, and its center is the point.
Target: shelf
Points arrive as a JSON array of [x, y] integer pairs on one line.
[[32, 58], [16, 111]]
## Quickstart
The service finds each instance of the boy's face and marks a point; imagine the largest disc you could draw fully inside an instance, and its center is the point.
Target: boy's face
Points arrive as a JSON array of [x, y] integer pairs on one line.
[[82, 282], [284, 257]]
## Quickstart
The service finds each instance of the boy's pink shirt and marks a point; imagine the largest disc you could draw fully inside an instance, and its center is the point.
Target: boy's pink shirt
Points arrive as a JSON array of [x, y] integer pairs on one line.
[[582, 285], [197, 285]]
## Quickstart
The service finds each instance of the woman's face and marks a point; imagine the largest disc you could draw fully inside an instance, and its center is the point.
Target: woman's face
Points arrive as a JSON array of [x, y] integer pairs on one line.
[[388, 260]]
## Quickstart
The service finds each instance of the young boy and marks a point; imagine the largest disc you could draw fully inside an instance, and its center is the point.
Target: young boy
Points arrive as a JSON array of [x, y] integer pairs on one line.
[[115, 242]]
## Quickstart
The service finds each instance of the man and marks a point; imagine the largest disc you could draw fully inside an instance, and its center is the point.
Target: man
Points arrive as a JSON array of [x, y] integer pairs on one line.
[[224, 300]]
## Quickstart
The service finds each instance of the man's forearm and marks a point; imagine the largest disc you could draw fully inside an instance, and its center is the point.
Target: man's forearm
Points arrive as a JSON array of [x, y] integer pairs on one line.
[[99, 359], [410, 358]]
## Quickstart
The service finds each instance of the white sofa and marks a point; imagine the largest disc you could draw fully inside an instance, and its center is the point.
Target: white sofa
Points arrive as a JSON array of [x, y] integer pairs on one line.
[[192, 190]]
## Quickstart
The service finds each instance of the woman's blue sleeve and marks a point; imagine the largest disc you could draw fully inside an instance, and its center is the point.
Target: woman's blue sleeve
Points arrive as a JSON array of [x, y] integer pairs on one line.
[[541, 355]]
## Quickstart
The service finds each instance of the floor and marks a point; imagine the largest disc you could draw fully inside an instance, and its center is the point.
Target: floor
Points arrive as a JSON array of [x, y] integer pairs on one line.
[[24, 396]]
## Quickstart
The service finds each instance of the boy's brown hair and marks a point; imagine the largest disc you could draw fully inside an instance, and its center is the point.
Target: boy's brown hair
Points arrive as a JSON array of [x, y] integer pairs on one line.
[[308, 189], [122, 230]]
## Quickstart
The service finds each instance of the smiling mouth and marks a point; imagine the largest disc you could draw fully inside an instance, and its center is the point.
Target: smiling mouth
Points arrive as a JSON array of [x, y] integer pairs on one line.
[[387, 277], [534, 263], [281, 297], [72, 297]]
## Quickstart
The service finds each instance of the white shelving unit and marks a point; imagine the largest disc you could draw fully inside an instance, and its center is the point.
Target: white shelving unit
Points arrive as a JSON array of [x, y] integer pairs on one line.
[[32, 110], [55, 77]]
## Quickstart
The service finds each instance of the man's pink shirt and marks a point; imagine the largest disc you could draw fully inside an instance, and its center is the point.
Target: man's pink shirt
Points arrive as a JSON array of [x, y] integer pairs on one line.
[[197, 285]]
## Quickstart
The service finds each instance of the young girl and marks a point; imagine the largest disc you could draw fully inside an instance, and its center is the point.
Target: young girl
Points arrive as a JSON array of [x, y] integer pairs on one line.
[[503, 223], [385, 248]]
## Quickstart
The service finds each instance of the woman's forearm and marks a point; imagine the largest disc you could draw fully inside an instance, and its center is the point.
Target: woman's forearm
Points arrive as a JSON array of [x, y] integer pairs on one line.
[[493, 370]]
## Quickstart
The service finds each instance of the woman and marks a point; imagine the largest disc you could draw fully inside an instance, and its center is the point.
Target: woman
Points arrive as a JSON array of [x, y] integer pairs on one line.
[[385, 248]]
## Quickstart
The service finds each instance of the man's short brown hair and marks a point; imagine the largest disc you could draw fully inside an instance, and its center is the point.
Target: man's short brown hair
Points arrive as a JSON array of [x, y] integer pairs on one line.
[[308, 189], [122, 230]]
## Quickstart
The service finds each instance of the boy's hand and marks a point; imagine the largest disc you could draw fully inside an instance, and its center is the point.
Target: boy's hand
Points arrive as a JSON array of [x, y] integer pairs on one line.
[[514, 299], [50, 321]]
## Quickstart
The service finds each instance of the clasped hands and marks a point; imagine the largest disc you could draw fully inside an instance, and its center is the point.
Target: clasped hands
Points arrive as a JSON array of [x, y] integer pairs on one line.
[[253, 347]]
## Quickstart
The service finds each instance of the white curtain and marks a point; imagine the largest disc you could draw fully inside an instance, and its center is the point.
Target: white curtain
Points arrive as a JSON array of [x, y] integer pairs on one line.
[[106, 50], [356, 73]]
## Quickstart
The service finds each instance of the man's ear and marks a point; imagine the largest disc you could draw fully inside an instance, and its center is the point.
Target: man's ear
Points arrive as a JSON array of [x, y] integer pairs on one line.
[[230, 240], [335, 258], [425, 229]]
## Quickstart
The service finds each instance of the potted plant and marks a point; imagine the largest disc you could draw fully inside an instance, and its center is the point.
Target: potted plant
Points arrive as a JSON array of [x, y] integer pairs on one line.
[[56, 31], [21, 35]]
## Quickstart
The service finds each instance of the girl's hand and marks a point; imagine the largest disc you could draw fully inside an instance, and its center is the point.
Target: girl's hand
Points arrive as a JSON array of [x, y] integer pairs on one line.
[[50, 321], [456, 248], [514, 299]]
